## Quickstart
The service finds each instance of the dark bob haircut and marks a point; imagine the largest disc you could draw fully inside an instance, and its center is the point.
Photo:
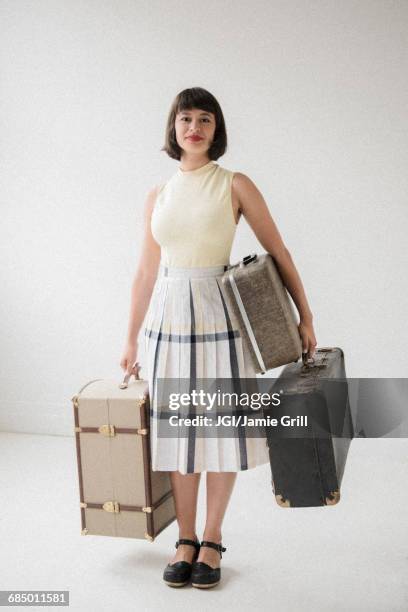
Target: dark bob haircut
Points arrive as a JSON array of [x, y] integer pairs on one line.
[[196, 97]]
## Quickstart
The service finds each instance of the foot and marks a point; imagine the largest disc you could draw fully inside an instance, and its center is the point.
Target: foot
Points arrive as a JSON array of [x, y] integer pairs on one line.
[[184, 552], [205, 573], [210, 555], [178, 572]]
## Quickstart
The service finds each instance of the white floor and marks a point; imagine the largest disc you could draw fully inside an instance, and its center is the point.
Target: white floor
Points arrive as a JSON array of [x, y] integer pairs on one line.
[[349, 557]]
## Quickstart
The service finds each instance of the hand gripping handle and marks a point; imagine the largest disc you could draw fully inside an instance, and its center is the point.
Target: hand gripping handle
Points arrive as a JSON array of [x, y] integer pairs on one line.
[[134, 371]]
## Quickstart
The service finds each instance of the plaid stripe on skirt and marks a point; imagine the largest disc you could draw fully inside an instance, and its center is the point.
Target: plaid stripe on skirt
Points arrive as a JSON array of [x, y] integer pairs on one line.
[[191, 333]]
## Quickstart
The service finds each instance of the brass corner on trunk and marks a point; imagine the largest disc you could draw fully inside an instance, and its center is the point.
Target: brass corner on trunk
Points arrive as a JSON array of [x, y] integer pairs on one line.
[[334, 498], [285, 503]]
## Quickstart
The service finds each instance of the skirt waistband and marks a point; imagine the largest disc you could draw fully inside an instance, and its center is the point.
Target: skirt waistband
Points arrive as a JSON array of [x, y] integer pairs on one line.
[[166, 271]]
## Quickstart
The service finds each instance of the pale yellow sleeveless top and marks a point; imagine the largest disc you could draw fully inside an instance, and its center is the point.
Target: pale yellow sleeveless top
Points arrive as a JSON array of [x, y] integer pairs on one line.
[[193, 220]]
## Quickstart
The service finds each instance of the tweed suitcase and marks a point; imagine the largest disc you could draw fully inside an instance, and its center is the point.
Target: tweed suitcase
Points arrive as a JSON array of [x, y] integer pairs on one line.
[[307, 469], [120, 495], [264, 310]]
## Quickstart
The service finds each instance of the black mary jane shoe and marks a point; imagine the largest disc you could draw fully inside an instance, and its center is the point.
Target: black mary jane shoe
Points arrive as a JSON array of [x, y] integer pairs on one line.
[[178, 574], [203, 575]]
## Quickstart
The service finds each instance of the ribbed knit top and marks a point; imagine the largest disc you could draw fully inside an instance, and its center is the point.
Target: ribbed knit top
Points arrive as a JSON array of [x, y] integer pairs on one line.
[[193, 220]]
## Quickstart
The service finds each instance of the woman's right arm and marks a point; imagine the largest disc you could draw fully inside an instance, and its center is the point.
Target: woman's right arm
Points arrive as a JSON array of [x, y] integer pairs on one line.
[[143, 283]]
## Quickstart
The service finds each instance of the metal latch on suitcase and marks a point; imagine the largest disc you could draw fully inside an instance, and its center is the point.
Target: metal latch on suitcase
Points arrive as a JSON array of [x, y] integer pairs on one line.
[[111, 506], [107, 430]]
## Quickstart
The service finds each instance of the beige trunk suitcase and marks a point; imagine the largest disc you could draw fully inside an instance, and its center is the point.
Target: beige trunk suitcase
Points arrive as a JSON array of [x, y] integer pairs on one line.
[[266, 316], [120, 495]]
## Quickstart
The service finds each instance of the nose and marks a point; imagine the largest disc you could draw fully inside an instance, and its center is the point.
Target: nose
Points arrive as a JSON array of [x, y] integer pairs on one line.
[[194, 127]]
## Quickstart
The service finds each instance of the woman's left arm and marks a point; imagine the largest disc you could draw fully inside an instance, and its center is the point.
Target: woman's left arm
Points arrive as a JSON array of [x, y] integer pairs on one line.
[[256, 212]]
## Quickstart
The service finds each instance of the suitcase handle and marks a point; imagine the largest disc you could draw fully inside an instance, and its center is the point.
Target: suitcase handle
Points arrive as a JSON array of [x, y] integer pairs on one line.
[[133, 372], [248, 258]]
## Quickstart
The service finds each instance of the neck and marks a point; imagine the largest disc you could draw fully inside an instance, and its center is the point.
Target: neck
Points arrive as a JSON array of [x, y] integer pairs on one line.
[[191, 163]]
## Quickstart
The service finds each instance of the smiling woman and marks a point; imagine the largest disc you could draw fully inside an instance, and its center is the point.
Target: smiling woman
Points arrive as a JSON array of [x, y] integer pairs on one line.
[[195, 130], [190, 330]]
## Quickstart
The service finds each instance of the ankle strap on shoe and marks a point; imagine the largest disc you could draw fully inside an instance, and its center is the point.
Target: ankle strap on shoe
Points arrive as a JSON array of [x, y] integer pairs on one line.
[[196, 544], [214, 545]]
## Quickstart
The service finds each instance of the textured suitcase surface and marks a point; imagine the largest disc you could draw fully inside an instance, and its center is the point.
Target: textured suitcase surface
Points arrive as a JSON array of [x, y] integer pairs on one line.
[[307, 471], [119, 493], [268, 311]]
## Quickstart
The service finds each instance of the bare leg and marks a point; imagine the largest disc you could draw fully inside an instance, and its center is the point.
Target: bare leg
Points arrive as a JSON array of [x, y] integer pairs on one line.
[[219, 489], [185, 491]]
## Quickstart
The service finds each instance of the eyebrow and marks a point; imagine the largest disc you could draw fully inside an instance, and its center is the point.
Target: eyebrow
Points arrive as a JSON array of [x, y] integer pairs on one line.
[[187, 111]]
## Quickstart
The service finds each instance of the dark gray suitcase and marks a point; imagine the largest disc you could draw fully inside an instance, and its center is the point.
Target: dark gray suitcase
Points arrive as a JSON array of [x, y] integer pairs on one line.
[[307, 464]]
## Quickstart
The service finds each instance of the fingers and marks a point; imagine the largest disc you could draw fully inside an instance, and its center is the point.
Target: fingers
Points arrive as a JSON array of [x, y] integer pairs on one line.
[[128, 365], [309, 348], [312, 349], [308, 342]]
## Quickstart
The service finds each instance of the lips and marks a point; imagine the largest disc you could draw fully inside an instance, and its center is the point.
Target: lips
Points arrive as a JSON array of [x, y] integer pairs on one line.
[[195, 138]]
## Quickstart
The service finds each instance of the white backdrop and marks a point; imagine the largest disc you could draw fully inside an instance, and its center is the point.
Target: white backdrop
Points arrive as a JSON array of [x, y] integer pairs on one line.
[[313, 94]]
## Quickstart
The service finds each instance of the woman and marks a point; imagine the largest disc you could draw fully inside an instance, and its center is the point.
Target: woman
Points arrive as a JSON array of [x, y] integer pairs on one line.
[[190, 331]]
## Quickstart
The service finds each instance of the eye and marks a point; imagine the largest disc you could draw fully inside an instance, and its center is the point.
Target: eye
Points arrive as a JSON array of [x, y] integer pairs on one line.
[[203, 119]]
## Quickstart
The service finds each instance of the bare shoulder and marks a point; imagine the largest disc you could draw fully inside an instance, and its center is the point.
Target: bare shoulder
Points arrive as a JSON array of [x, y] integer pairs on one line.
[[256, 212], [244, 190], [241, 183]]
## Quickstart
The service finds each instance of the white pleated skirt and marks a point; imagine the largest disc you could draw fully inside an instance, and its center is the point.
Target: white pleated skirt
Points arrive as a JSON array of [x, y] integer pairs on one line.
[[191, 333]]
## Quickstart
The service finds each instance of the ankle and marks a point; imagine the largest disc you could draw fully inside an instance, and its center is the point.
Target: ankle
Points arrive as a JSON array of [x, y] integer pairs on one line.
[[212, 537], [188, 536]]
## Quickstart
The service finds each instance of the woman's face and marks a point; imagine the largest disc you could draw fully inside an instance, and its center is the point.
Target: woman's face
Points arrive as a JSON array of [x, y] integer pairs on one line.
[[195, 130]]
